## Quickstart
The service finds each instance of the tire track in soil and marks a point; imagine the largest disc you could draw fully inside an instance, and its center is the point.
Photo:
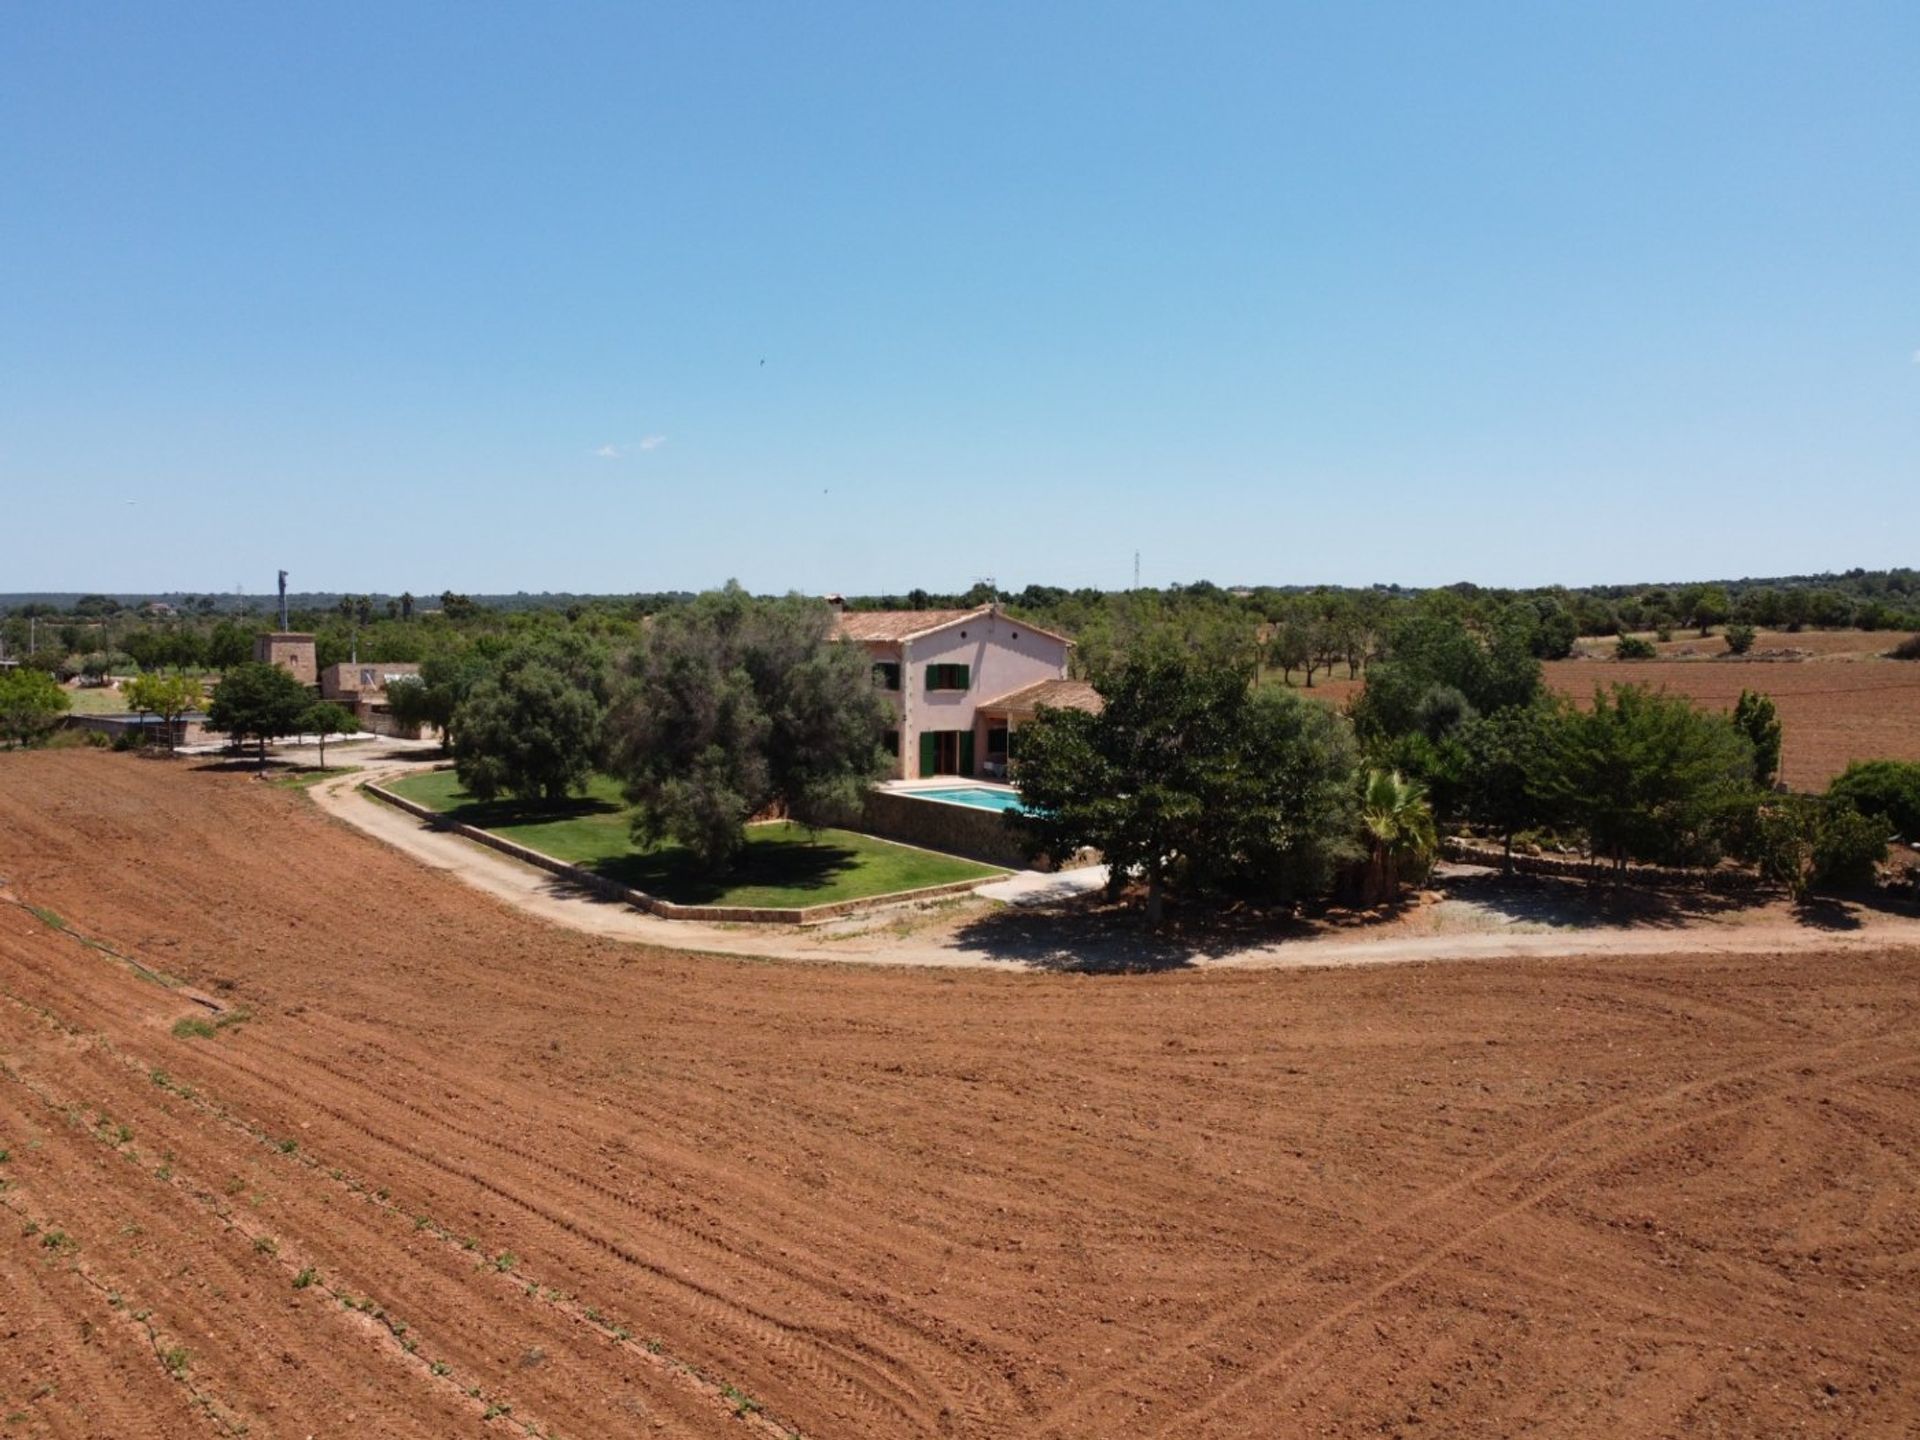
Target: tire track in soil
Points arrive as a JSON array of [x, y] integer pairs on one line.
[[1536, 1150], [1431, 1255], [113, 1364], [890, 1402], [863, 1373], [474, 1348]]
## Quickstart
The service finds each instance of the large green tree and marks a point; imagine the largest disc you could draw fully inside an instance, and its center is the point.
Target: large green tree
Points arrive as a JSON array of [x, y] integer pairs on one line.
[[259, 702], [31, 704], [1189, 781], [1647, 776], [738, 707], [1509, 761], [531, 731]]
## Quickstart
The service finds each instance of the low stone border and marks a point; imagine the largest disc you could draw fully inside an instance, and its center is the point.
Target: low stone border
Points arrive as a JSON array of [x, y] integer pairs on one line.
[[667, 909], [1732, 882]]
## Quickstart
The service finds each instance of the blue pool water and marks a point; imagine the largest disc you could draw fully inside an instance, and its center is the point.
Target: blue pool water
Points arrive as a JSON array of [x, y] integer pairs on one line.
[[977, 796]]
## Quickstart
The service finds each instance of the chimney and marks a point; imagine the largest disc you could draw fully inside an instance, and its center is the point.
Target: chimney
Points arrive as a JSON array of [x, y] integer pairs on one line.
[[835, 600]]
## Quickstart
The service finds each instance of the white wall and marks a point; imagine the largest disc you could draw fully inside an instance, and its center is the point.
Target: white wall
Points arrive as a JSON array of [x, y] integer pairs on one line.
[[1004, 654]]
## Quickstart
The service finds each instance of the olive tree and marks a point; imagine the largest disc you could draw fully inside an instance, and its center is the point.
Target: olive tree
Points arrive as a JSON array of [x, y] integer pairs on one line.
[[738, 707]]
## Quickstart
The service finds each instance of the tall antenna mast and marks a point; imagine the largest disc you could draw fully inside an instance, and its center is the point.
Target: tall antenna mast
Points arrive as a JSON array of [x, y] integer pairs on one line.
[[1136, 569], [283, 602]]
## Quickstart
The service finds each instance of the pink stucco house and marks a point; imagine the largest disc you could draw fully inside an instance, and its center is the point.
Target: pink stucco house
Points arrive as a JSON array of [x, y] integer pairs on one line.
[[961, 682]]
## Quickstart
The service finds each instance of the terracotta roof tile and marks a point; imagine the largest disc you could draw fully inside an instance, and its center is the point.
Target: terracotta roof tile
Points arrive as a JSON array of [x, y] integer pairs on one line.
[[1055, 694], [895, 624]]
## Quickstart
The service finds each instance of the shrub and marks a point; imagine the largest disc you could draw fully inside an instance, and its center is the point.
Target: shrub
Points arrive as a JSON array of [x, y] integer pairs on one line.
[[1633, 647], [1846, 847], [1886, 789], [1739, 639], [1806, 844], [31, 704], [1907, 649]]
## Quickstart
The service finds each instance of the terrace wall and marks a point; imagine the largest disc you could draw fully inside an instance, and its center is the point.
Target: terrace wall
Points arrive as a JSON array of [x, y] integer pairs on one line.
[[976, 834]]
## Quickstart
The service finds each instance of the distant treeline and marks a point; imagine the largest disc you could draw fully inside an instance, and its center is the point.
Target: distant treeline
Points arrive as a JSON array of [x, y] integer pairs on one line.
[[1294, 630]]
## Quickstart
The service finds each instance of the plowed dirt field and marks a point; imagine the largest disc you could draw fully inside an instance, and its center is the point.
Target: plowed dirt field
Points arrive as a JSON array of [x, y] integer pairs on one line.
[[459, 1173], [1832, 711]]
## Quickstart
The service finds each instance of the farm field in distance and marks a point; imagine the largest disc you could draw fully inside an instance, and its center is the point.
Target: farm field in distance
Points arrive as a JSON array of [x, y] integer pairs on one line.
[[1838, 699], [455, 1165]]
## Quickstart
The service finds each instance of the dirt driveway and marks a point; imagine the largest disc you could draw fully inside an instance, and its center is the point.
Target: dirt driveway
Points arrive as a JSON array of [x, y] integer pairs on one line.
[[1478, 919]]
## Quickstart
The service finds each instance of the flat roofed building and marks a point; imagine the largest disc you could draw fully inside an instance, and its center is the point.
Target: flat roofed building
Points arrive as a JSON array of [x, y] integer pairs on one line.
[[361, 685]]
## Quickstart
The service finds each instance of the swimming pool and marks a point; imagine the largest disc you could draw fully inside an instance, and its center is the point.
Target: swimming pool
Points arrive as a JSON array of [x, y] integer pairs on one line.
[[980, 797]]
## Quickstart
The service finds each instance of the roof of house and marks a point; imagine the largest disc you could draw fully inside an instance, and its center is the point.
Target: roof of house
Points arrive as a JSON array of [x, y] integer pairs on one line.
[[911, 624], [895, 624], [1054, 694]]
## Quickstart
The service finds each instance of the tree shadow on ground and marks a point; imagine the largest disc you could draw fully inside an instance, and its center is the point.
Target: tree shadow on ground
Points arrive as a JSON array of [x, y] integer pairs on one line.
[[674, 874], [1090, 935], [501, 814], [1824, 912], [1570, 903], [234, 764]]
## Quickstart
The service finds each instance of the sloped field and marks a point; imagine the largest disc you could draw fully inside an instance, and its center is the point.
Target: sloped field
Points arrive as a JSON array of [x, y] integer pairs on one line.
[[546, 1184]]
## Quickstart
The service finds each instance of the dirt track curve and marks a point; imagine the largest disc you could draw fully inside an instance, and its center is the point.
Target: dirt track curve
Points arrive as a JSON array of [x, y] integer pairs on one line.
[[545, 1183]]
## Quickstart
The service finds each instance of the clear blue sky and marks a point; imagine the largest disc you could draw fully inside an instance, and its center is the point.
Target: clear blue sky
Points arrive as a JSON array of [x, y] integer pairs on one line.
[[478, 296]]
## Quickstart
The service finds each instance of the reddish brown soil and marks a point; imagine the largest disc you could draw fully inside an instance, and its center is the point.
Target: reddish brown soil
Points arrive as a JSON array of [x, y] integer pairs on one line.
[[1833, 711], [1838, 700], [1639, 1197]]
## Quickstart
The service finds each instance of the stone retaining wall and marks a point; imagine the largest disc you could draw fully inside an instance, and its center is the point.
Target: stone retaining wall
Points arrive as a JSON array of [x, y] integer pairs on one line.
[[653, 904], [976, 833]]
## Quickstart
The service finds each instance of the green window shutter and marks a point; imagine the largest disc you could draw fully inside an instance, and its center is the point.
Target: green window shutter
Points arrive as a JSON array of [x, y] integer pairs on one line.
[[966, 752], [963, 680], [929, 752]]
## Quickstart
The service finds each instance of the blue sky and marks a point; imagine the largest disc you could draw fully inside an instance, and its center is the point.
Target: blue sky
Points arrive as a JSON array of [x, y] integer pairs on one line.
[[611, 298]]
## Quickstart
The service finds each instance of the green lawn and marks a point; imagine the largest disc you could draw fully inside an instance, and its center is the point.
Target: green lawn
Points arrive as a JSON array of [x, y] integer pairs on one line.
[[96, 700], [783, 866]]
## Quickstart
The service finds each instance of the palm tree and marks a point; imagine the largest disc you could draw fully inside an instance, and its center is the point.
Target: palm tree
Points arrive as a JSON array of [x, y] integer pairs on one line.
[[1400, 833]]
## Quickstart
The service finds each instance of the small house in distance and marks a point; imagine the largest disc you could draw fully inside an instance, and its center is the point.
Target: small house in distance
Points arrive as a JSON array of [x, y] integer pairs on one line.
[[960, 682], [361, 686]]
